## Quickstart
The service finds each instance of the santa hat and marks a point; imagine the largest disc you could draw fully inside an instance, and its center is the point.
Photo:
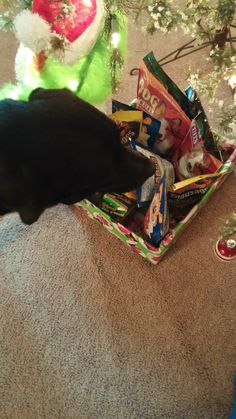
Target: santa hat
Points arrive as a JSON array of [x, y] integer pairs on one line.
[[77, 26]]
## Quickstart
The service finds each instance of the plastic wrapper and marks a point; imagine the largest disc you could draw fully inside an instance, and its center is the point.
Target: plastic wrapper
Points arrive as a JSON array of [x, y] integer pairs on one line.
[[164, 168], [156, 222]]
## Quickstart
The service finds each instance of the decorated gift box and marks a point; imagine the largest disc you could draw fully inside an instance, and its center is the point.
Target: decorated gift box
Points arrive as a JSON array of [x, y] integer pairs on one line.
[[171, 128], [152, 253]]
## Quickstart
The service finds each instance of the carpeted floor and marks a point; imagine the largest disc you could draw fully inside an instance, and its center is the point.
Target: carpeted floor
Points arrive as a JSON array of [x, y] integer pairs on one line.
[[89, 330]]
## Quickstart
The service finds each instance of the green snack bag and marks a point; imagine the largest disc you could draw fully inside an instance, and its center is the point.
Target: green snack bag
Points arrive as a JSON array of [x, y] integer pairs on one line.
[[118, 206]]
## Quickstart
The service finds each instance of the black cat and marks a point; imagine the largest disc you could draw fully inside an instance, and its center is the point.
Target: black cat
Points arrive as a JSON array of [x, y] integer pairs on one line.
[[57, 148]]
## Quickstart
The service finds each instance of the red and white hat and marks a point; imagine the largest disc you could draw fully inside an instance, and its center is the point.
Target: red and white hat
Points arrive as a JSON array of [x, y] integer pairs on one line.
[[78, 23]]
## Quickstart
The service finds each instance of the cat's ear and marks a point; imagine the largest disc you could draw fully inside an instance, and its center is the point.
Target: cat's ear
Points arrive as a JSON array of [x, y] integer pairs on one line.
[[40, 93], [37, 94], [30, 215]]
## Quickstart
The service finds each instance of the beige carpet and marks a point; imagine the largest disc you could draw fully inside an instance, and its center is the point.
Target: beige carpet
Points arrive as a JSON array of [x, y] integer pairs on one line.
[[89, 330]]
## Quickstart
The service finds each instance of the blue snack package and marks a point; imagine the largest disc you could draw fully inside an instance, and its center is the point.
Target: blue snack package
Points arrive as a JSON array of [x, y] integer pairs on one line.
[[150, 131], [156, 222], [150, 128]]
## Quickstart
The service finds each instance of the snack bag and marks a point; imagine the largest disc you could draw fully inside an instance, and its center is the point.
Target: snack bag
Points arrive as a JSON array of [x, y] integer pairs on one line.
[[160, 134], [118, 206], [164, 168], [181, 98], [157, 135], [154, 99], [124, 199], [202, 123], [187, 193], [129, 122], [149, 132], [190, 162], [149, 127], [156, 222]]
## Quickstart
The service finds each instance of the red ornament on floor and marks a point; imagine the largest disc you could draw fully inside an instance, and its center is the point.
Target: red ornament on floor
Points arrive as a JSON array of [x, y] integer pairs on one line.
[[226, 249]]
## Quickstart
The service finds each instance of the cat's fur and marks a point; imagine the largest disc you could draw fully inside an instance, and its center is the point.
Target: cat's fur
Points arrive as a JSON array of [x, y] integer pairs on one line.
[[57, 148]]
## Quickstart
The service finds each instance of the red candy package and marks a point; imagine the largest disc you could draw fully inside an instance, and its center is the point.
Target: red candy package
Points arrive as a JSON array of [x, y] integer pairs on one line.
[[194, 162]]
